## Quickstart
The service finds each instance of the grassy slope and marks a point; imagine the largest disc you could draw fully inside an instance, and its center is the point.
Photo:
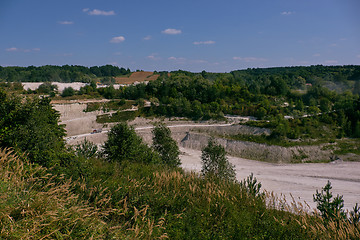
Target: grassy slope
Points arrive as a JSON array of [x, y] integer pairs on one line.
[[141, 202]]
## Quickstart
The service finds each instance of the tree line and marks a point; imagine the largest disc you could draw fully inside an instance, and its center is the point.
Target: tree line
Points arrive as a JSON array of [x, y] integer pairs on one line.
[[65, 73]]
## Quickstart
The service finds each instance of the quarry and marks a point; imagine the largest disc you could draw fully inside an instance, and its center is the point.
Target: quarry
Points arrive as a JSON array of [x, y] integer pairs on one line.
[[282, 177]]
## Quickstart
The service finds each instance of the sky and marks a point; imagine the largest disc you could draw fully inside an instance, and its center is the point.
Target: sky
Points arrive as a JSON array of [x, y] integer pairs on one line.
[[192, 35]]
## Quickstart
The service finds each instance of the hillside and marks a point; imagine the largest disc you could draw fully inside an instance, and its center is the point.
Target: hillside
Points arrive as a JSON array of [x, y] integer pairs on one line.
[[137, 77]]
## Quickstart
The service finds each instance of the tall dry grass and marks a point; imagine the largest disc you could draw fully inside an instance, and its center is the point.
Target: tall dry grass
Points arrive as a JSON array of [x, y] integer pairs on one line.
[[147, 202], [35, 204], [310, 219]]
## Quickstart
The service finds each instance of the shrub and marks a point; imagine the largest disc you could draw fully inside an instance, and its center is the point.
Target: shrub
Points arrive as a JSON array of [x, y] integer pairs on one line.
[[329, 208], [166, 146], [123, 144], [215, 162]]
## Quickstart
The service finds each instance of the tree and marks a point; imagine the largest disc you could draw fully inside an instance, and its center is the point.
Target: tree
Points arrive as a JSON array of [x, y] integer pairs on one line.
[[46, 88], [68, 92], [252, 186], [329, 208], [123, 144], [166, 146], [215, 162], [31, 126], [86, 149]]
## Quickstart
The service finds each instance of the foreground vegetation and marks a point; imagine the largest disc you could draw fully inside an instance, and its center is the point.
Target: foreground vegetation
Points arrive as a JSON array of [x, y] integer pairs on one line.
[[132, 190], [136, 201]]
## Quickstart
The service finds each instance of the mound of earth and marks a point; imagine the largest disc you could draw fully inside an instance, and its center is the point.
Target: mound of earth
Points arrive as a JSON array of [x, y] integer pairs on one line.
[[137, 77]]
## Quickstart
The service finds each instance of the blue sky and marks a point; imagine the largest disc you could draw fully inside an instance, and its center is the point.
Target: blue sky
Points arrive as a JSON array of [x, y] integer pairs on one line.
[[193, 35]]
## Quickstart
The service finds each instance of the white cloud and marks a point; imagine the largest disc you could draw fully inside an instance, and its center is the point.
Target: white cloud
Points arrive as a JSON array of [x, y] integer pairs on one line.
[[171, 31], [98, 12], [333, 45], [147, 38], [13, 49], [66, 22], [331, 62], [179, 59], [153, 57], [118, 39], [204, 42], [316, 55], [199, 61], [286, 13], [249, 59]]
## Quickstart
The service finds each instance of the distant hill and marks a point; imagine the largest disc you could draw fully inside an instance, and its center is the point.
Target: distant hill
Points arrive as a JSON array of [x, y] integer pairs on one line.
[[137, 77]]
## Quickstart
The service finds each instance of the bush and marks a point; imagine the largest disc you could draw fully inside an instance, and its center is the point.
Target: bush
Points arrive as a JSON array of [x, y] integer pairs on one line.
[[123, 144], [68, 92], [329, 208], [166, 146], [215, 162]]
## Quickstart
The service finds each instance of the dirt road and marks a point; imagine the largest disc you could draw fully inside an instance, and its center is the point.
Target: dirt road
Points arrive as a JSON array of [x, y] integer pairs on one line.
[[300, 180]]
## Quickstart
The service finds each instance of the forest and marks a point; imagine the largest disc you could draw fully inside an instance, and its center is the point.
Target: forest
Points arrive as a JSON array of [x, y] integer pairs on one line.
[[64, 73], [298, 103]]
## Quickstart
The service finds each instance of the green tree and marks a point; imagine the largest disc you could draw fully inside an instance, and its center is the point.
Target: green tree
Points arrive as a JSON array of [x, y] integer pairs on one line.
[[166, 146], [68, 92], [329, 208], [123, 144], [31, 126], [252, 186], [215, 162], [86, 149], [46, 88]]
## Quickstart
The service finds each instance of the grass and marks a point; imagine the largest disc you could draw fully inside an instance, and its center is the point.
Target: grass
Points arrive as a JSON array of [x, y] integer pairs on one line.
[[345, 146], [136, 201], [109, 106], [137, 77], [117, 117]]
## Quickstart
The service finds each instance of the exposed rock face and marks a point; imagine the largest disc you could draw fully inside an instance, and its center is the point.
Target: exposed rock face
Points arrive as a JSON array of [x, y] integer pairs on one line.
[[256, 151], [76, 120]]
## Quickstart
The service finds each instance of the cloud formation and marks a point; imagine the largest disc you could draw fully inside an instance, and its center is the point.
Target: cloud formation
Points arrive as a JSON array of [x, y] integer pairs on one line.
[[171, 31], [249, 59], [147, 38], [172, 58], [316, 55], [14, 49], [118, 39], [204, 42], [153, 57], [66, 22], [286, 13], [98, 12]]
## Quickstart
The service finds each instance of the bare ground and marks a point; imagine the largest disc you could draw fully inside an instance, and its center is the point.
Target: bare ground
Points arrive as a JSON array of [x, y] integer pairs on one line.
[[300, 180]]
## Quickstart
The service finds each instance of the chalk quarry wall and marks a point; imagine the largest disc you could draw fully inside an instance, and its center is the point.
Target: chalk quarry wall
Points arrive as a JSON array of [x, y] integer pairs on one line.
[[256, 151]]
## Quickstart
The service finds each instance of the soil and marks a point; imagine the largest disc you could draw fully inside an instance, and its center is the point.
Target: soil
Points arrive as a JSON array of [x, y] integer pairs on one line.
[[299, 180], [137, 77]]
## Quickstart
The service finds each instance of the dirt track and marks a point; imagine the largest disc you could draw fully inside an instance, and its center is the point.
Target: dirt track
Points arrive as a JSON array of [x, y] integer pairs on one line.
[[300, 180]]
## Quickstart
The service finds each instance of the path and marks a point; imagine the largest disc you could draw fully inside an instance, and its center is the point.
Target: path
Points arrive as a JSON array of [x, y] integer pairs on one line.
[[300, 180]]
